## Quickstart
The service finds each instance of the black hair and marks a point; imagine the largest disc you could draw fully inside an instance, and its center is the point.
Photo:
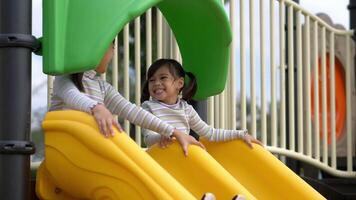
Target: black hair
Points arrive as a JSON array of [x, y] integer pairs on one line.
[[177, 71], [77, 80]]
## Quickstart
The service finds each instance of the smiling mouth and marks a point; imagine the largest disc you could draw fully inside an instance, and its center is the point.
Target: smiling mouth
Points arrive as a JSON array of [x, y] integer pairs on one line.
[[158, 91]]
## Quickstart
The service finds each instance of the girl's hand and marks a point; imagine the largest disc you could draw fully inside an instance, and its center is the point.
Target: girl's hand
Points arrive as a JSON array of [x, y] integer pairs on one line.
[[184, 140], [165, 141], [105, 120], [248, 139]]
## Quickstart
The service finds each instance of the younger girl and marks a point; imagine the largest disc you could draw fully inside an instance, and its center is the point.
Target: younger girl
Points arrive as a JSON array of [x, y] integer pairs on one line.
[[89, 93], [165, 82]]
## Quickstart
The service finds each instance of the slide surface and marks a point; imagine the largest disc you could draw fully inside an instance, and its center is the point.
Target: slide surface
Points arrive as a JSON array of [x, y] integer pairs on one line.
[[260, 172], [198, 172], [80, 163]]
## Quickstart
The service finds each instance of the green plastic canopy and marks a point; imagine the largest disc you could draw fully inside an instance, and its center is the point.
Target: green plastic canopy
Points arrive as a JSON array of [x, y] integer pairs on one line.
[[76, 34]]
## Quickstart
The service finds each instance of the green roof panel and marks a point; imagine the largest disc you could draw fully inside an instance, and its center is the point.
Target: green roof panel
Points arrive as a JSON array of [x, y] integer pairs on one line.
[[76, 34]]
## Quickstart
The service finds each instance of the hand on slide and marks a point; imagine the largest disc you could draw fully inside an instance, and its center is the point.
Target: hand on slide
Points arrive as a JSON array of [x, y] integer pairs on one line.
[[185, 140], [165, 141], [248, 139], [105, 120]]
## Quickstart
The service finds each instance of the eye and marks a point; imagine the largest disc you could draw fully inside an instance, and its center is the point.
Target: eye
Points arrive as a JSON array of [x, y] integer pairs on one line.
[[164, 77], [151, 80]]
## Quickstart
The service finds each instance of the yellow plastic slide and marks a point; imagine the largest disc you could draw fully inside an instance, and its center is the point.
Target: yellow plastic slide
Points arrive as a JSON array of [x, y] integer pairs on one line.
[[80, 163], [198, 172], [260, 172]]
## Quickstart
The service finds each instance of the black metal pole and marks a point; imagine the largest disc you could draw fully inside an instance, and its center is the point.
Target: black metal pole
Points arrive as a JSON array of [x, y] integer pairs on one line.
[[15, 99], [352, 10]]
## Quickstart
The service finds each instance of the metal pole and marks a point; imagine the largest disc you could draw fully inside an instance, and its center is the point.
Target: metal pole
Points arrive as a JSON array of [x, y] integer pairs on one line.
[[291, 85], [352, 10], [15, 98]]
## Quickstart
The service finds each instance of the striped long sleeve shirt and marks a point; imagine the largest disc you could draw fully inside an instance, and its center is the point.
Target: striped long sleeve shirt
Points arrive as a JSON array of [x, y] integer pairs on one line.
[[67, 96], [183, 116]]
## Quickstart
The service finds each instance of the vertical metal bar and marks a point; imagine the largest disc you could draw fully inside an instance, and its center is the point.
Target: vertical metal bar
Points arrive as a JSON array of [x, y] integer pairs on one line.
[[242, 65], [115, 68], [300, 83], [50, 80], [175, 48], [291, 79], [178, 55], [171, 44], [222, 99], [217, 111], [252, 70], [166, 46], [232, 116], [273, 77], [308, 85], [316, 92], [282, 75], [126, 72], [213, 118], [332, 100], [211, 111], [103, 76], [148, 38], [222, 109], [263, 76], [137, 74], [159, 33], [323, 92], [348, 105]]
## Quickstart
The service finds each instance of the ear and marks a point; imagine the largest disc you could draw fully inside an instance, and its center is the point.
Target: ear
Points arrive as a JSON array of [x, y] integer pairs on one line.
[[180, 83]]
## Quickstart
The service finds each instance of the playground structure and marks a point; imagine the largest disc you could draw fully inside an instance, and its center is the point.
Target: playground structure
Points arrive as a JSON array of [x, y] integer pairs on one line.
[[279, 140]]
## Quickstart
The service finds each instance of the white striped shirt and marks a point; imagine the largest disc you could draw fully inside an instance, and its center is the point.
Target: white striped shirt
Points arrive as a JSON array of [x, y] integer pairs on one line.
[[67, 96], [183, 116]]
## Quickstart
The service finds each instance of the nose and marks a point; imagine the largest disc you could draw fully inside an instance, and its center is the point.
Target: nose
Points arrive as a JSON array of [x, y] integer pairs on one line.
[[157, 82]]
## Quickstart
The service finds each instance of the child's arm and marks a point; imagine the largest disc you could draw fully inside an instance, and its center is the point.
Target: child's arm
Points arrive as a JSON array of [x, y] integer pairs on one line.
[[212, 134], [150, 138], [208, 132], [118, 105], [65, 89]]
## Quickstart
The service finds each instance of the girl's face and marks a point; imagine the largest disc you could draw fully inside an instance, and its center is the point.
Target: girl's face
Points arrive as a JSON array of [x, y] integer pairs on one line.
[[103, 65], [164, 87]]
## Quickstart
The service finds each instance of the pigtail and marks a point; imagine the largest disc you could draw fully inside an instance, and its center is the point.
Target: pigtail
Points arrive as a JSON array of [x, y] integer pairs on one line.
[[77, 80], [190, 90], [145, 96]]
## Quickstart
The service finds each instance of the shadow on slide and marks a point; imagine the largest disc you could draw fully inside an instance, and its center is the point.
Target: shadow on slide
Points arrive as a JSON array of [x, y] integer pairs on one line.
[[260, 172]]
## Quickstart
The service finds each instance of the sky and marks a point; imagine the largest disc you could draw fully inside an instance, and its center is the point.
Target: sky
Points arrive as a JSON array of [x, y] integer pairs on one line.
[[337, 9]]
